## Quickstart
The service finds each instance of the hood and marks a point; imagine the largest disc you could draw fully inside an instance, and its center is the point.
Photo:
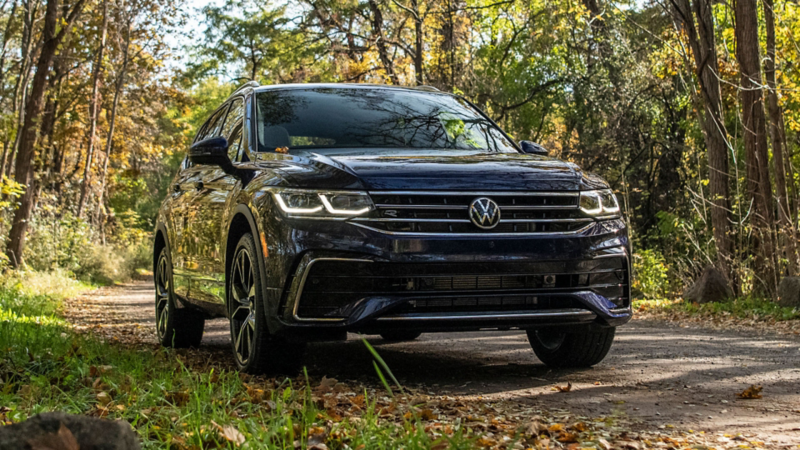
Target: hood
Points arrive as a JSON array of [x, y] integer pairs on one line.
[[429, 170]]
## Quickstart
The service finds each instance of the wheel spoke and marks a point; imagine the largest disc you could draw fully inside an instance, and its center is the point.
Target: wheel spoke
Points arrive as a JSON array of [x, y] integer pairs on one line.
[[242, 306], [238, 347], [162, 297]]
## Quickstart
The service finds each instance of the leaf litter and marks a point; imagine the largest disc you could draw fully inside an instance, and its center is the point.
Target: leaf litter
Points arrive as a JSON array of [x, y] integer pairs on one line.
[[345, 407]]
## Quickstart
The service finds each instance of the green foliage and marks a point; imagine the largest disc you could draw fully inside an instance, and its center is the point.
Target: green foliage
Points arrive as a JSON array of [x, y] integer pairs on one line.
[[750, 307], [58, 240], [651, 274]]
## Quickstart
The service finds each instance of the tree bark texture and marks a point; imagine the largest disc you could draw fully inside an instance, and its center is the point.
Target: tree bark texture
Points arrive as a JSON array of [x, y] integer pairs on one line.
[[93, 109], [754, 124], [698, 22], [776, 128]]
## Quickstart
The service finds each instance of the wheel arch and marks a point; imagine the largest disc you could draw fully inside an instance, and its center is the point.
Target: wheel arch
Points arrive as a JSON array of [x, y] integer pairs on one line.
[[160, 241], [242, 222]]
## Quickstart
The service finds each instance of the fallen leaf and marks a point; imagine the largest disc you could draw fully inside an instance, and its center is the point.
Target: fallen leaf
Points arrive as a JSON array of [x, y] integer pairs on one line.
[[283, 150], [566, 388], [579, 427], [427, 414], [486, 442], [327, 384], [566, 437], [230, 433], [177, 398], [753, 392], [535, 427], [103, 398]]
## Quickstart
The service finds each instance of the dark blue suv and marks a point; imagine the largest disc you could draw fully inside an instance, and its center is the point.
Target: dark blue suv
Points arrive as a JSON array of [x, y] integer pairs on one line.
[[303, 212]]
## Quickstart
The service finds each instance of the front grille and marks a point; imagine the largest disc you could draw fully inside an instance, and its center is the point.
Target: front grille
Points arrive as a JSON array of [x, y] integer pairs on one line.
[[448, 212], [331, 286]]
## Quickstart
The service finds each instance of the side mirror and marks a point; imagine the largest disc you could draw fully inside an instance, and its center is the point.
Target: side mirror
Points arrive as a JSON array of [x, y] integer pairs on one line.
[[533, 147], [211, 151]]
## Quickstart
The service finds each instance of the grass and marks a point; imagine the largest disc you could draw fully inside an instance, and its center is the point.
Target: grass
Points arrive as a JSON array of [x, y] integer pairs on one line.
[[743, 308], [48, 367]]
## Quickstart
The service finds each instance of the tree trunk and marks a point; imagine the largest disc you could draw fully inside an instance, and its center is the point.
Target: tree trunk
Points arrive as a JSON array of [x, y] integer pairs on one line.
[[377, 31], [776, 127], [419, 46], [23, 170], [759, 187], [703, 44], [93, 109], [6, 37], [21, 85], [113, 119]]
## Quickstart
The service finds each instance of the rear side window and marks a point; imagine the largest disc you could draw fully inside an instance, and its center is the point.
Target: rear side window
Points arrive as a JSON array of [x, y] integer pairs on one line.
[[232, 128], [213, 125]]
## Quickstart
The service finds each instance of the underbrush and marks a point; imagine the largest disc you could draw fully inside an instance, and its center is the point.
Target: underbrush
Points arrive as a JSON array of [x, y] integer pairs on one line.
[[48, 367], [752, 308]]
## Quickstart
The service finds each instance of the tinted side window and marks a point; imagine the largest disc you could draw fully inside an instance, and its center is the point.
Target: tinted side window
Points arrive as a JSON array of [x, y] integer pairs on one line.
[[232, 122], [213, 126], [235, 144]]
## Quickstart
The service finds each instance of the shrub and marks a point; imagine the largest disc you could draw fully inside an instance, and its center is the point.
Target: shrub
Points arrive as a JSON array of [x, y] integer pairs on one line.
[[651, 274]]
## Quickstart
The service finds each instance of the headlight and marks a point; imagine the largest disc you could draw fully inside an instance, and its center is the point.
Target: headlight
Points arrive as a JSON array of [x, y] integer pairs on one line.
[[599, 203], [322, 203]]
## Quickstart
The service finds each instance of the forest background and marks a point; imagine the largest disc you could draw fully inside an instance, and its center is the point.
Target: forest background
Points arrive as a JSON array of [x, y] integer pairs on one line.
[[689, 108]]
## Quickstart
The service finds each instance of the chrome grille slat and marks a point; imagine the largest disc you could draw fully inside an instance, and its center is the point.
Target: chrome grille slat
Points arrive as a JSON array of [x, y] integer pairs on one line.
[[430, 213]]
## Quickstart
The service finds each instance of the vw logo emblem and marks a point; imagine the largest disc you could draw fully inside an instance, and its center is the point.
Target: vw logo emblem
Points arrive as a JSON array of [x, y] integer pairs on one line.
[[484, 213]]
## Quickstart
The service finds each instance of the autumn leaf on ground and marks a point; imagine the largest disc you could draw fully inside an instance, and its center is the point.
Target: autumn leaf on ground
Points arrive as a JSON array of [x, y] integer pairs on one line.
[[61, 440], [753, 392], [103, 398], [566, 437], [326, 384], [427, 414], [580, 427], [177, 398], [535, 427], [230, 433], [566, 388]]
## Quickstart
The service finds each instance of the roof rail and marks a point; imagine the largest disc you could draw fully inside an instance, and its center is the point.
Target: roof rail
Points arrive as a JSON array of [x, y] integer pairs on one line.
[[424, 87], [249, 84]]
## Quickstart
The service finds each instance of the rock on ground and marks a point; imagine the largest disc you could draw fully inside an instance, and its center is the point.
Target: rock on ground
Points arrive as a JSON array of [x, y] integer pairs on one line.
[[712, 286], [68, 432], [789, 292]]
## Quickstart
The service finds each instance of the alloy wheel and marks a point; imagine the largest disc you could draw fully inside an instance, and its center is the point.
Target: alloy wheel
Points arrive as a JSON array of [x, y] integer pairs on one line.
[[162, 296], [243, 306]]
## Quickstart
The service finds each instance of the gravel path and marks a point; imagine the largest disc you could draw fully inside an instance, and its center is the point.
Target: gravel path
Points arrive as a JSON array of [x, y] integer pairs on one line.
[[661, 374]]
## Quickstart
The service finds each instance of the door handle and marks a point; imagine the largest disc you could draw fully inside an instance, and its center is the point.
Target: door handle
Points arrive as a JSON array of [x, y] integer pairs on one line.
[[199, 185]]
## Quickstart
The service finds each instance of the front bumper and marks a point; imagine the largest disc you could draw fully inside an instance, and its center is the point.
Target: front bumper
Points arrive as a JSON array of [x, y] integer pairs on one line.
[[336, 277]]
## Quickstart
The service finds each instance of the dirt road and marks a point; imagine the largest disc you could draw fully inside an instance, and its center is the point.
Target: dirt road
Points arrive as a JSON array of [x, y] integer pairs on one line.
[[661, 374]]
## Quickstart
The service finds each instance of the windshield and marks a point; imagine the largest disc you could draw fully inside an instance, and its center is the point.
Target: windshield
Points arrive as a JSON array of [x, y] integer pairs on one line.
[[320, 118]]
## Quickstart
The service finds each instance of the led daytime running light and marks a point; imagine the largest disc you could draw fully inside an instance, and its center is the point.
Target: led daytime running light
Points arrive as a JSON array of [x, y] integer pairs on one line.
[[607, 204], [346, 212], [287, 209]]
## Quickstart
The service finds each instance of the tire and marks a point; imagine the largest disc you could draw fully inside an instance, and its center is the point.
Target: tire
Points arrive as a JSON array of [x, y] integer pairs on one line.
[[400, 335], [176, 327], [254, 350], [571, 350]]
